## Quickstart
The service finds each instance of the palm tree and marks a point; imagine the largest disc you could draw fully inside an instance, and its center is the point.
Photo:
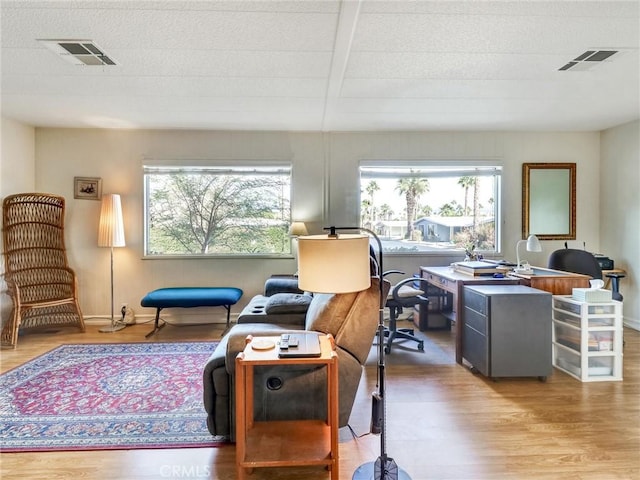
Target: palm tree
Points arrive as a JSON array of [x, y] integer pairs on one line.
[[451, 209], [425, 211], [466, 182], [365, 213], [371, 189], [474, 234], [385, 211], [412, 188]]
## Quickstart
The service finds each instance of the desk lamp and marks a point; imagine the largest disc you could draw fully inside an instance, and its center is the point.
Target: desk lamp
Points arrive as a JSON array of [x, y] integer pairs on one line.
[[340, 264], [533, 245]]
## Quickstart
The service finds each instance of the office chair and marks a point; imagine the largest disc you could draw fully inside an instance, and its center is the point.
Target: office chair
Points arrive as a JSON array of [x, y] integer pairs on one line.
[[583, 262], [403, 294]]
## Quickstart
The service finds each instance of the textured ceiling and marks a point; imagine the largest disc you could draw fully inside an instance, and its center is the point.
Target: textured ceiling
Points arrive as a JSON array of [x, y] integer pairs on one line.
[[323, 65]]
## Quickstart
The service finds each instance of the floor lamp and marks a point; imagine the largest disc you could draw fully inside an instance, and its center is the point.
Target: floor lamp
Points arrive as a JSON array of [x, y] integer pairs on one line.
[[111, 234], [340, 264]]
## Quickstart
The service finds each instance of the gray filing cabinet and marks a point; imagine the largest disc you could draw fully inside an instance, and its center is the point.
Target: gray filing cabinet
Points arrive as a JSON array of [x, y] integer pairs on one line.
[[507, 330]]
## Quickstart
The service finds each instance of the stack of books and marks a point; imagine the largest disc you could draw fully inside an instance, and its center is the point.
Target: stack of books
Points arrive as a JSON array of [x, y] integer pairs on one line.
[[476, 268]]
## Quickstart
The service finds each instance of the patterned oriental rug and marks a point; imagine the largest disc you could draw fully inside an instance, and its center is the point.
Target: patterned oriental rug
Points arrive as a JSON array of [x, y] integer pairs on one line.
[[107, 396]]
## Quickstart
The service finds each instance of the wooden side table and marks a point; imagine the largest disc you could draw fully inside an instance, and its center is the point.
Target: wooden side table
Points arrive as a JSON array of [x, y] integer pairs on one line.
[[285, 443]]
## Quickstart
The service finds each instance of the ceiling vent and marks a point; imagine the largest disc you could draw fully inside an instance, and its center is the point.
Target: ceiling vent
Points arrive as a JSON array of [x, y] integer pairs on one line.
[[588, 59], [79, 52]]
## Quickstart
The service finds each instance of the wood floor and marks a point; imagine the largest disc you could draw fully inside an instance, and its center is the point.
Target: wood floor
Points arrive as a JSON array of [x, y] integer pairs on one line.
[[443, 423]]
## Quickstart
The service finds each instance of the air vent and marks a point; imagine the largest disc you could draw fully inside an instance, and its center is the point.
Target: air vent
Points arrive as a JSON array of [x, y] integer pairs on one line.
[[79, 52], [588, 59]]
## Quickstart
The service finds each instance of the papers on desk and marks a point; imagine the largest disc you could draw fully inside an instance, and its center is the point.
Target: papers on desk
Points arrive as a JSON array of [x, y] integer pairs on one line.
[[477, 268]]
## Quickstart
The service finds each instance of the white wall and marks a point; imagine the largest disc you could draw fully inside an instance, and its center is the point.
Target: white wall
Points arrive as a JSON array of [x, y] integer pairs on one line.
[[620, 210], [512, 149], [17, 157], [116, 156], [17, 174]]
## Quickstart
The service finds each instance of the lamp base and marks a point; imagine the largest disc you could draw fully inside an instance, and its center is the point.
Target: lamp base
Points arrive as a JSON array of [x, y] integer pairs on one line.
[[372, 471], [523, 270], [112, 328]]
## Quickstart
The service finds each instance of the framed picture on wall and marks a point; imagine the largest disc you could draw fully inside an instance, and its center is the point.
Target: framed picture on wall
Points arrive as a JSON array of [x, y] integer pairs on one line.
[[87, 188]]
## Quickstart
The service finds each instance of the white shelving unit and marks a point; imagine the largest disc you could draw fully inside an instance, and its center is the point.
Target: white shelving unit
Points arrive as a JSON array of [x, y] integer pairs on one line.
[[587, 339]]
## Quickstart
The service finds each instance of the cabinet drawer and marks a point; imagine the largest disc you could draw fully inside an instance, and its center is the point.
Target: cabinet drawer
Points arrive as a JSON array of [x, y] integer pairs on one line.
[[597, 366], [592, 321], [475, 349], [475, 300], [578, 308], [441, 282], [475, 320]]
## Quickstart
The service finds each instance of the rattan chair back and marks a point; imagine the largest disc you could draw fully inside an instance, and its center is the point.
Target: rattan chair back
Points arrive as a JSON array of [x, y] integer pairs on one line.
[[39, 281]]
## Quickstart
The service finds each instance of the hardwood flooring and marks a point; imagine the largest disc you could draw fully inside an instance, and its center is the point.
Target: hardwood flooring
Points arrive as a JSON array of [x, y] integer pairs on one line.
[[443, 422]]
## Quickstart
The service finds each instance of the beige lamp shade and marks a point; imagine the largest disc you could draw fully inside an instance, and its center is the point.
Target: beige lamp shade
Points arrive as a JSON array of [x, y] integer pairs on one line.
[[111, 228], [333, 264], [298, 229]]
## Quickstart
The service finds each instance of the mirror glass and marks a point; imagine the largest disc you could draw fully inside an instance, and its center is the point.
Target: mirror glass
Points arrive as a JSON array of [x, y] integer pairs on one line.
[[549, 200]]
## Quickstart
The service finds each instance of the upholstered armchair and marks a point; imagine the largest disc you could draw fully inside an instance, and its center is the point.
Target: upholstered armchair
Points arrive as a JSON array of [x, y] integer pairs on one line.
[[295, 392]]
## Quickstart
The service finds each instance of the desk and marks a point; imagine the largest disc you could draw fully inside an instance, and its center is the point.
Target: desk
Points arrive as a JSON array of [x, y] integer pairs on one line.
[[453, 282], [285, 443], [553, 281]]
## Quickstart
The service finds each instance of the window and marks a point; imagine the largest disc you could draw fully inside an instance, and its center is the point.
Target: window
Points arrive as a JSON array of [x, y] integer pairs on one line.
[[425, 207], [217, 210]]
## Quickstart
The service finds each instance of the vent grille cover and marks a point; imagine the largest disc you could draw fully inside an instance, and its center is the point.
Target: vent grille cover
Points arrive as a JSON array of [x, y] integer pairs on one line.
[[79, 52], [588, 59]]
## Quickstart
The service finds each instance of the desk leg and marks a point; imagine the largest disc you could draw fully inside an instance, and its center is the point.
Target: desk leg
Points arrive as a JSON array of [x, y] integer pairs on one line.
[[459, 320]]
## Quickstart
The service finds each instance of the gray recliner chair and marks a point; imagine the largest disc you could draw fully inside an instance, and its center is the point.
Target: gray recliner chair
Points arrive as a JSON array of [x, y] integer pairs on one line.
[[296, 392]]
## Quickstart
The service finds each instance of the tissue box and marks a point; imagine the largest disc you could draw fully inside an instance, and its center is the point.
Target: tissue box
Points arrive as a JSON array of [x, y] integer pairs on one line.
[[591, 295]]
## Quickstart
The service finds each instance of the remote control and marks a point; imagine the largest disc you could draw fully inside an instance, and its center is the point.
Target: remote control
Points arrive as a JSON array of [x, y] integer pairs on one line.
[[284, 341]]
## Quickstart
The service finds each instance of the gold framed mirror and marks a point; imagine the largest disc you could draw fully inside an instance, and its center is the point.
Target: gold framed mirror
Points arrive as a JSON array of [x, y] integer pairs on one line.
[[549, 200]]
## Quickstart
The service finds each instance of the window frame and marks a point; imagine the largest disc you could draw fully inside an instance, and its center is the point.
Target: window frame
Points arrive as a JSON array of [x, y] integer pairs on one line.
[[240, 167], [441, 168]]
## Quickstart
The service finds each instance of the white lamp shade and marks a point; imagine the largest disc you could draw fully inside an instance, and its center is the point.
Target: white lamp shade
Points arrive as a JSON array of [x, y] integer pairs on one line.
[[334, 264], [533, 244], [298, 229], [111, 228]]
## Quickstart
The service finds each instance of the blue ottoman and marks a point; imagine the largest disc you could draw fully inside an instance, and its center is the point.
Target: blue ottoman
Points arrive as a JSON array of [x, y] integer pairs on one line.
[[190, 297]]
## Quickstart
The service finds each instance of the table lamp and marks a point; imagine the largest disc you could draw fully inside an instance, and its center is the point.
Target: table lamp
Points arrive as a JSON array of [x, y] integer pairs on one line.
[[341, 264], [533, 245]]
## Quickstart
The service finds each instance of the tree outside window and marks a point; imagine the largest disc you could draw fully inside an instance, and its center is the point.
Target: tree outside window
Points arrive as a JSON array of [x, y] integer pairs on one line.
[[217, 211], [423, 207]]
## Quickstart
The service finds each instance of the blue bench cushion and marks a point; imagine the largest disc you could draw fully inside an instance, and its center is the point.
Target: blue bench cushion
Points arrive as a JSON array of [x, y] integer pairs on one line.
[[187, 297]]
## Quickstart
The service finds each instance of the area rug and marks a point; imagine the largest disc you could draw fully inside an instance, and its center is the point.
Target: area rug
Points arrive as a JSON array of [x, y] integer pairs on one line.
[[107, 396]]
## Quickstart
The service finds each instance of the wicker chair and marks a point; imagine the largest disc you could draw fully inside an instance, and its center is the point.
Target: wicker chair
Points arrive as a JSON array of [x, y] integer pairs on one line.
[[39, 281]]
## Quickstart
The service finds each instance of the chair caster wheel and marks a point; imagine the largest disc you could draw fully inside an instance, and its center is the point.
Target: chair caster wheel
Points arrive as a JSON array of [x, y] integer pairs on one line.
[[421, 346], [387, 350]]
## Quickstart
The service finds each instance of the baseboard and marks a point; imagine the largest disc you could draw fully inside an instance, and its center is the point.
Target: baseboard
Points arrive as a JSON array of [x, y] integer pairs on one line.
[[171, 316], [634, 324]]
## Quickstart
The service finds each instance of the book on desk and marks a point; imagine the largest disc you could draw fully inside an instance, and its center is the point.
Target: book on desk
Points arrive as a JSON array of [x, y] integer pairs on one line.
[[477, 268]]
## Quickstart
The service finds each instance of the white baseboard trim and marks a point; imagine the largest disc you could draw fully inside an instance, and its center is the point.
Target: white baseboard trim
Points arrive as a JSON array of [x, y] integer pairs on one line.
[[191, 318]]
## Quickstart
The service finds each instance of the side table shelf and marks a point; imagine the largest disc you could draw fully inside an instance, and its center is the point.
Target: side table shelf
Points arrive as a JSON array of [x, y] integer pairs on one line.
[[587, 339], [290, 442]]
